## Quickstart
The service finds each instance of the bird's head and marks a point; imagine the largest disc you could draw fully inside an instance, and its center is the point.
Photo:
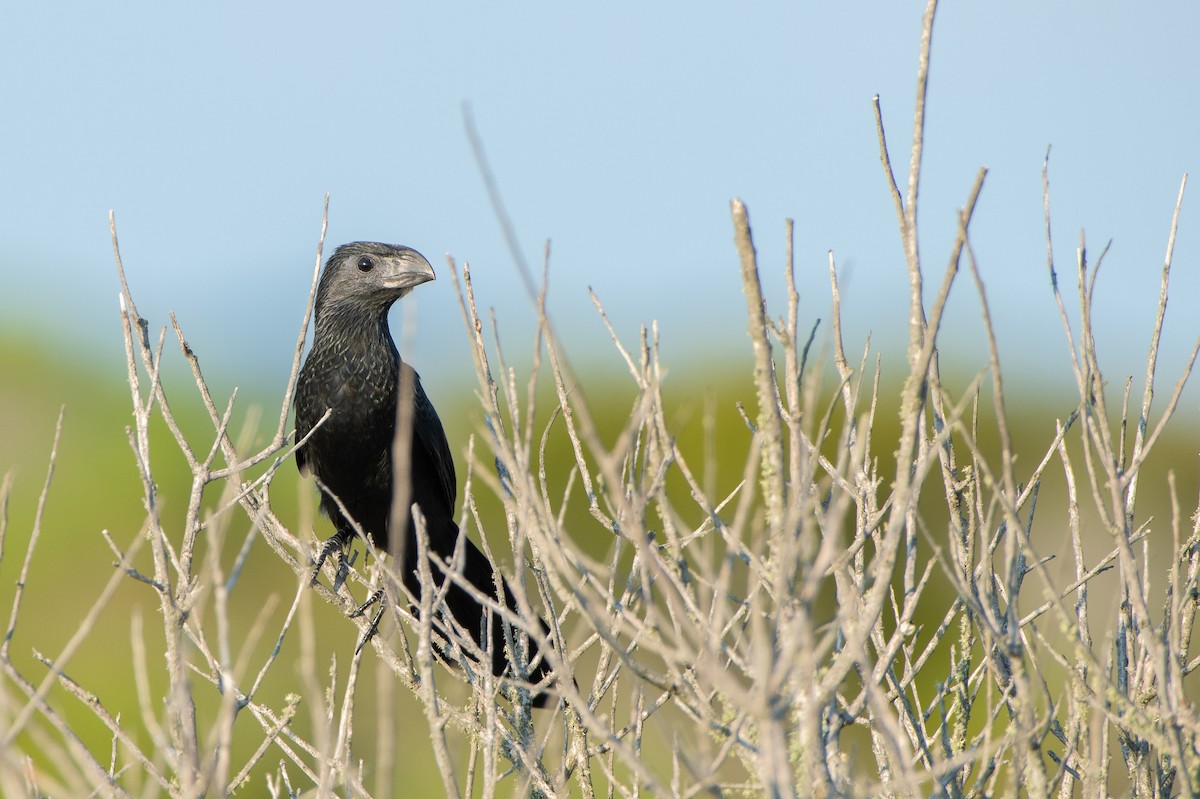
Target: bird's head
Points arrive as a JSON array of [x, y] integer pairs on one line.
[[370, 276]]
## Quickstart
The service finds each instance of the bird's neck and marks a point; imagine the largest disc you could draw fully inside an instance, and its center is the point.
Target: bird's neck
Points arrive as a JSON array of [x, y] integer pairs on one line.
[[346, 324]]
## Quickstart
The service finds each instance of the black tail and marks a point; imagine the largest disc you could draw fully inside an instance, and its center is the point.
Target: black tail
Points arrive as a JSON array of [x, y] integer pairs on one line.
[[468, 613]]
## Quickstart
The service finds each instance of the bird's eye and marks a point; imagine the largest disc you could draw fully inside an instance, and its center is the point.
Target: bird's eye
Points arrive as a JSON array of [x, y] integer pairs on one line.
[[366, 263]]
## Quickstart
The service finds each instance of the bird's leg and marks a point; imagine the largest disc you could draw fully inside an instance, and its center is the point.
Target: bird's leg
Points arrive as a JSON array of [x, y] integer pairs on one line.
[[378, 596], [327, 548]]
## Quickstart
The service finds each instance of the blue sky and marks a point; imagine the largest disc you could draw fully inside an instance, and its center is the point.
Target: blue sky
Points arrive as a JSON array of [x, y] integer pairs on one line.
[[619, 133]]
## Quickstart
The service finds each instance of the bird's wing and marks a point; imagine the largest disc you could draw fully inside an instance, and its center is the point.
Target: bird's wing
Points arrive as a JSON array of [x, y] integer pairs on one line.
[[429, 435]]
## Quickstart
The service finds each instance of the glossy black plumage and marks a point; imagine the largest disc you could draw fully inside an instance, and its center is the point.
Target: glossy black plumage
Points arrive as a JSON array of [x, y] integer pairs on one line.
[[354, 370]]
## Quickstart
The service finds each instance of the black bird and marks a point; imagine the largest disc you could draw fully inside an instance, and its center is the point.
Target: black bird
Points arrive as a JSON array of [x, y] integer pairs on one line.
[[354, 371]]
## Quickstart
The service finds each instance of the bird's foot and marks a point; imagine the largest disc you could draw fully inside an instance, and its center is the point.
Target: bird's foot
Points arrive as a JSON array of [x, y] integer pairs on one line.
[[331, 545], [371, 600], [376, 597]]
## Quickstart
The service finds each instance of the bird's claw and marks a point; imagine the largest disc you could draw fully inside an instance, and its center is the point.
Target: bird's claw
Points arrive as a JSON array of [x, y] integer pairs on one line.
[[374, 627]]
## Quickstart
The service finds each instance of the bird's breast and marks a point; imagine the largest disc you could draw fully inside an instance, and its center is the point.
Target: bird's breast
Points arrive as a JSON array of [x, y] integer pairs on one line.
[[359, 390]]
